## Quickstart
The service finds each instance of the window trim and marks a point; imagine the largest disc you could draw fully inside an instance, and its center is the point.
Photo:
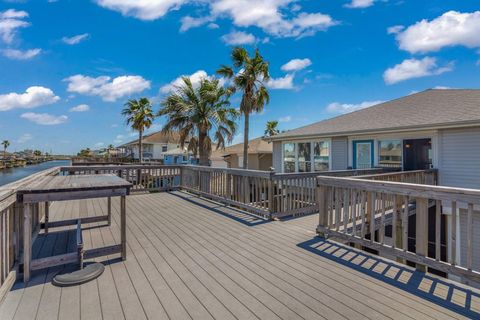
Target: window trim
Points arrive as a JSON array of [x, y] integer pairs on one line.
[[312, 157]]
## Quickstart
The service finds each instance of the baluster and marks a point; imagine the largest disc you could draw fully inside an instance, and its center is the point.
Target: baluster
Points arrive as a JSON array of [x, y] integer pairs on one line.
[[470, 236], [453, 239], [372, 216], [438, 223], [405, 224], [381, 235], [354, 212], [337, 208], [363, 208], [346, 207], [394, 221]]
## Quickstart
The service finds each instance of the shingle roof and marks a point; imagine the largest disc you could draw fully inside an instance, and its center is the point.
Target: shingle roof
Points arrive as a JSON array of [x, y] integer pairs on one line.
[[157, 137], [427, 109], [255, 146]]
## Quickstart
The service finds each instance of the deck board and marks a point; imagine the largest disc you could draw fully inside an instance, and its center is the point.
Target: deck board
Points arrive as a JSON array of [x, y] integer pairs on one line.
[[190, 258]]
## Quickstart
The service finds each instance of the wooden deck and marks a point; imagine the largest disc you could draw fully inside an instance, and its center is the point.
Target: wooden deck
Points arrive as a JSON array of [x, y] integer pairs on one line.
[[189, 258]]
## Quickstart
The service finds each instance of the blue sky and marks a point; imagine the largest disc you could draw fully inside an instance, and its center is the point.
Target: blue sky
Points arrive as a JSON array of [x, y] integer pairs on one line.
[[67, 67]]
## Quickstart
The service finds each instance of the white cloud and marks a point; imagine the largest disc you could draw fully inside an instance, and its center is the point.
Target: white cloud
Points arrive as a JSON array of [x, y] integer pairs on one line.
[[395, 29], [442, 88], [213, 26], [80, 108], [25, 138], [356, 4], [450, 29], [414, 68], [99, 144], [75, 39], [268, 15], [142, 9], [10, 21], [189, 22], [285, 119], [105, 87], [296, 64], [337, 107], [285, 82], [119, 138], [236, 38], [44, 118], [21, 55], [195, 78], [33, 97]]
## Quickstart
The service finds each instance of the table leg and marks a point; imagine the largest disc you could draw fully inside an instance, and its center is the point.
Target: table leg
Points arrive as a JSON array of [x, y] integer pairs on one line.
[[27, 241], [47, 208], [109, 206], [123, 226]]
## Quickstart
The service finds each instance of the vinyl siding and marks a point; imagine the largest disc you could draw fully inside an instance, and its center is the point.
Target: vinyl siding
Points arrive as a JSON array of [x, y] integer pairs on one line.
[[339, 153], [459, 158], [277, 156]]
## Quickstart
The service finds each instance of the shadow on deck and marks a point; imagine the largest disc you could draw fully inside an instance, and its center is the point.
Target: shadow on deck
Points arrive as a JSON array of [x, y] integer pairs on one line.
[[237, 215], [441, 292]]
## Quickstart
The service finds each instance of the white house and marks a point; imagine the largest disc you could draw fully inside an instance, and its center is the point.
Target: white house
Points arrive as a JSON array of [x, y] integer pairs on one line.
[[155, 145]]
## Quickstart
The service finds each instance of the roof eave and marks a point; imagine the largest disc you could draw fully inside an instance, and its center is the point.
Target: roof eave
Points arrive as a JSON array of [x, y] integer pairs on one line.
[[449, 125]]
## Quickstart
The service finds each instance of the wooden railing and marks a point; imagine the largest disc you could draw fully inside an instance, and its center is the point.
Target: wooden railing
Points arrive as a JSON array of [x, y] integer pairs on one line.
[[247, 189], [143, 177], [429, 177], [261, 192], [11, 228], [359, 210]]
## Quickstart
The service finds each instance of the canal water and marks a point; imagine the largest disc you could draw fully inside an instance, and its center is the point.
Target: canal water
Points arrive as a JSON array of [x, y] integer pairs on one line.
[[14, 174]]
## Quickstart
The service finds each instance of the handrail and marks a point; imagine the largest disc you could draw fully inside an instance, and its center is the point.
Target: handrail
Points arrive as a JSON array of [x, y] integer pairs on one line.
[[358, 210], [11, 228]]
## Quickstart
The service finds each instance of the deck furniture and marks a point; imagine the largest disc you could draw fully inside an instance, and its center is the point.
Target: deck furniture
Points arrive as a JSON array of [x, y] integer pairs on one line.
[[64, 188]]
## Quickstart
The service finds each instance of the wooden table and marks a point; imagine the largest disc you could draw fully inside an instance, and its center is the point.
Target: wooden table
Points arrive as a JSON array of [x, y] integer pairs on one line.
[[64, 188]]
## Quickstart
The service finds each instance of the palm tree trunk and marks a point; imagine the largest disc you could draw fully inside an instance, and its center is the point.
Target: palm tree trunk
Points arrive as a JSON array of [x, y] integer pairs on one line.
[[203, 154], [140, 145], [245, 141]]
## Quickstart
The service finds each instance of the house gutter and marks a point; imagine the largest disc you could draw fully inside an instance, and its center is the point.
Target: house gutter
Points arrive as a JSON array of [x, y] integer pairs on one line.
[[464, 124]]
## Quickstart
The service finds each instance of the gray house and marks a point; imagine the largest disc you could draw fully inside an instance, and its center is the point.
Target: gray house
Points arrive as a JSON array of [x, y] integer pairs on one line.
[[432, 129]]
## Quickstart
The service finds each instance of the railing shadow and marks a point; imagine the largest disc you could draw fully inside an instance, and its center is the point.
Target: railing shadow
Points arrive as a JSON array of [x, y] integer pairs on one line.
[[237, 215], [444, 293]]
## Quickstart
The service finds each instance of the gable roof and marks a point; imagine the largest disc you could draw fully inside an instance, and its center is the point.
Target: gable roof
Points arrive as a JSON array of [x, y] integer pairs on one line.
[[156, 137], [433, 108], [255, 146]]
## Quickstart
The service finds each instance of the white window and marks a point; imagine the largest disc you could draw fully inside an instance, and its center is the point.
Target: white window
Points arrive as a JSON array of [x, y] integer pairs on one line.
[[321, 155], [164, 148], [308, 156], [289, 157], [390, 153]]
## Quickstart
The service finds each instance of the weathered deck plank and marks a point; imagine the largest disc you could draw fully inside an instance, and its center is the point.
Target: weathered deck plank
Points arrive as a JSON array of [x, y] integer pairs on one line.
[[195, 259]]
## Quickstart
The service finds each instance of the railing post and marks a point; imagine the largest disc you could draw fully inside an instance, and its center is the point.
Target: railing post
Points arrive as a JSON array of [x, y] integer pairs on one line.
[[270, 195], [421, 241], [322, 196]]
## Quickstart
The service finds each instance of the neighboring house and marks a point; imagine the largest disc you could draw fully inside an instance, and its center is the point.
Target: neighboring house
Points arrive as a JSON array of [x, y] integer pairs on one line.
[[217, 160], [259, 155], [431, 129], [155, 145], [179, 156]]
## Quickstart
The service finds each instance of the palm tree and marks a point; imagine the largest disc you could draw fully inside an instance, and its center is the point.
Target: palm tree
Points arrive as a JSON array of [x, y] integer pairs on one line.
[[140, 116], [196, 113], [249, 76], [271, 128], [5, 144]]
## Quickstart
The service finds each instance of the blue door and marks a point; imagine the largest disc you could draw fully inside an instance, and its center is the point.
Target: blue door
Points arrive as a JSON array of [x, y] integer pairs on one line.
[[363, 154]]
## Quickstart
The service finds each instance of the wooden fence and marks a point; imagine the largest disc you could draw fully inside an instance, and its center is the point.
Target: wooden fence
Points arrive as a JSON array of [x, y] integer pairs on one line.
[[358, 211], [11, 228]]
